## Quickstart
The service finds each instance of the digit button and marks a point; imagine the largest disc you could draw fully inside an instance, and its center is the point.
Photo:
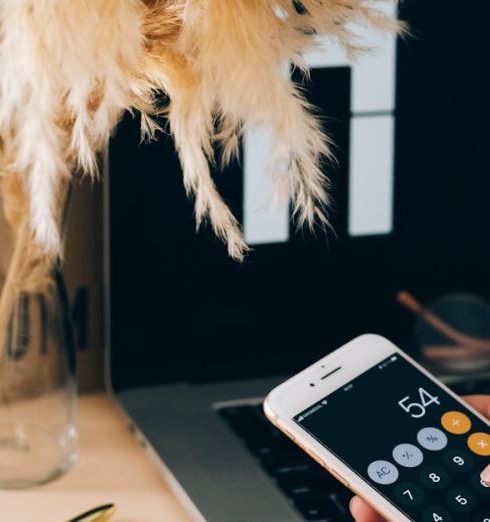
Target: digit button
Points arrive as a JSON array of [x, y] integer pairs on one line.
[[434, 477], [459, 461], [436, 514], [461, 500], [409, 494]]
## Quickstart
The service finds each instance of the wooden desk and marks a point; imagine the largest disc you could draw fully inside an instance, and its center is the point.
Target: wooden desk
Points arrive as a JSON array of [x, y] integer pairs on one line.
[[111, 468]]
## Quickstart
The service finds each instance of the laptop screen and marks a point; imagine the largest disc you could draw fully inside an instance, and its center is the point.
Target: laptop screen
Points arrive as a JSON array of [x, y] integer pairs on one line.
[[410, 189]]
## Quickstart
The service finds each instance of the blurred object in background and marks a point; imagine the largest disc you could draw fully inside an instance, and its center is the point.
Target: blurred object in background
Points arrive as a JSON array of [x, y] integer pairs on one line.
[[452, 333]]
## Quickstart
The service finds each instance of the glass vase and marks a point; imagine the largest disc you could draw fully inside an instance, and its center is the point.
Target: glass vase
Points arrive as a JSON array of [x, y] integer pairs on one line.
[[38, 430]]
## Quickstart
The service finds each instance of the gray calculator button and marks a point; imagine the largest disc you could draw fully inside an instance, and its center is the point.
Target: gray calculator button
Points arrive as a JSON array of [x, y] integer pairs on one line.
[[383, 472], [432, 439], [408, 455]]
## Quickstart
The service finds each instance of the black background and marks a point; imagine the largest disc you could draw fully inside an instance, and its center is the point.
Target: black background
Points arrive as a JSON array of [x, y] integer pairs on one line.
[[181, 310]]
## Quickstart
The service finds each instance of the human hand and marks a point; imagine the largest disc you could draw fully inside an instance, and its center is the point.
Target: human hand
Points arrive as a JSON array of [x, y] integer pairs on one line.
[[363, 512]]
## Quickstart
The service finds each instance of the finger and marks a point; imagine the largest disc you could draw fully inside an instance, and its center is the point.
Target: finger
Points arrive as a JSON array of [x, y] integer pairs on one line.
[[485, 475], [481, 403], [363, 512]]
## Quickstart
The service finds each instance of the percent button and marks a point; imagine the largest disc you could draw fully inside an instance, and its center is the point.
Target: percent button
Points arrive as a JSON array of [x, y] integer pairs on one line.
[[432, 439]]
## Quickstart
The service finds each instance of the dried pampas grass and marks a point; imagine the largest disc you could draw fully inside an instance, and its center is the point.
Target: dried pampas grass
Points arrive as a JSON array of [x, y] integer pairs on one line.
[[69, 69]]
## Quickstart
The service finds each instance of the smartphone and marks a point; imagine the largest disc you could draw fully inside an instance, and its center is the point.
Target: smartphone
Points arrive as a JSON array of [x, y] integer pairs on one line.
[[390, 431]]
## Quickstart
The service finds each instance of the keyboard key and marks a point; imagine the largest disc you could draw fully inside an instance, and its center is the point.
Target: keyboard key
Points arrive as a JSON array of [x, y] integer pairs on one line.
[[274, 463], [312, 484], [341, 499], [312, 510], [322, 508], [270, 445], [289, 469]]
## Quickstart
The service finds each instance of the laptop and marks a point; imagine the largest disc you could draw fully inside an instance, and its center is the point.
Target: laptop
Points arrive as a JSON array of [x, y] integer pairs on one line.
[[196, 340]]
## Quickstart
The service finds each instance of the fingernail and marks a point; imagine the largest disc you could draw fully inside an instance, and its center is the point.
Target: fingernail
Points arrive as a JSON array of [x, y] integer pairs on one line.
[[352, 504], [485, 475]]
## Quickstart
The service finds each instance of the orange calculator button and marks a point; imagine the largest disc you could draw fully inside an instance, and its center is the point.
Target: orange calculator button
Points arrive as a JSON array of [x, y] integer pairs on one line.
[[479, 443], [456, 422]]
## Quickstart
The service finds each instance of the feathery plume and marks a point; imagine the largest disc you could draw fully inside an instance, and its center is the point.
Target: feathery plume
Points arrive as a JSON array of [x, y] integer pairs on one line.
[[68, 71]]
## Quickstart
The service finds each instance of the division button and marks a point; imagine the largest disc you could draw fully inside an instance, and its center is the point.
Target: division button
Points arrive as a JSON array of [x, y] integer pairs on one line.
[[432, 439], [408, 455], [383, 472], [479, 443], [456, 422]]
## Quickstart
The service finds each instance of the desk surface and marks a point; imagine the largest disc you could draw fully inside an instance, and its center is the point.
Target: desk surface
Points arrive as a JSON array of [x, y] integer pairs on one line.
[[111, 468]]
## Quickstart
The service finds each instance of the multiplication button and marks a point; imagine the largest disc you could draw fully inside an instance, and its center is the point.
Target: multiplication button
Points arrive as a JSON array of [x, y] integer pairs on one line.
[[434, 477], [409, 495], [436, 514], [432, 439], [479, 443], [408, 455], [383, 472]]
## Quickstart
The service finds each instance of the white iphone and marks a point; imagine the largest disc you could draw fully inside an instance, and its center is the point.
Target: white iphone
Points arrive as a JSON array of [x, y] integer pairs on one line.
[[390, 431]]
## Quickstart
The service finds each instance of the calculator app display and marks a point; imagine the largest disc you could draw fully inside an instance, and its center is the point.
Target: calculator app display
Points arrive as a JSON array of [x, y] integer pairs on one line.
[[414, 443]]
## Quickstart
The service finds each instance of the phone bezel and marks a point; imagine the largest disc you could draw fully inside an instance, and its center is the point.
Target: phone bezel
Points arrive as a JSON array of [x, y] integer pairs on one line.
[[295, 395]]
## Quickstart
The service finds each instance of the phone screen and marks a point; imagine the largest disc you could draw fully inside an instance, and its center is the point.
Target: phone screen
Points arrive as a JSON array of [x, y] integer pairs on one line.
[[415, 444]]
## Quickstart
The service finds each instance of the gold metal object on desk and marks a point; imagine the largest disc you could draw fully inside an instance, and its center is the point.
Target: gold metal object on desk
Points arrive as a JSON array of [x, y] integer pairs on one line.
[[99, 514]]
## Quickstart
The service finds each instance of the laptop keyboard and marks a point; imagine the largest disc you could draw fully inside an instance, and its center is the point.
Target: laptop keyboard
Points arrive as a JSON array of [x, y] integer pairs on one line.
[[315, 494]]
